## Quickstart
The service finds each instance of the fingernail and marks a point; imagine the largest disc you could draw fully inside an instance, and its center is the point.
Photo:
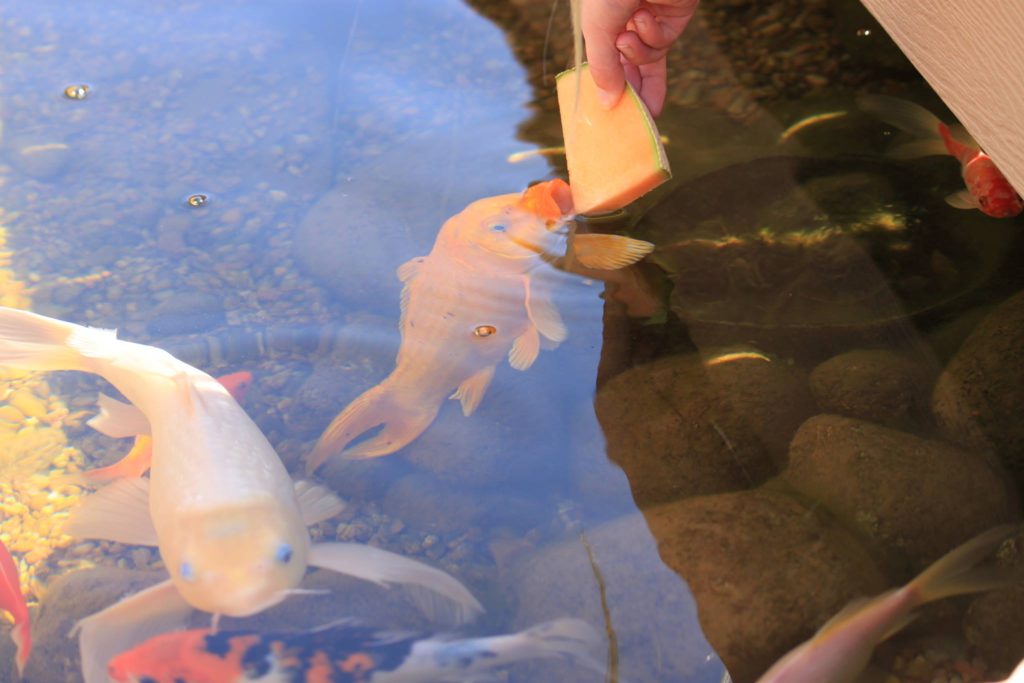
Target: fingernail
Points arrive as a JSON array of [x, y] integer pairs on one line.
[[606, 98]]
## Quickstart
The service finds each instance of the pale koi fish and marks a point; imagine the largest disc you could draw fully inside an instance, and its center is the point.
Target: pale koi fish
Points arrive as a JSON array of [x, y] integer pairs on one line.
[[346, 653], [12, 601], [229, 522], [988, 190], [474, 299], [842, 648]]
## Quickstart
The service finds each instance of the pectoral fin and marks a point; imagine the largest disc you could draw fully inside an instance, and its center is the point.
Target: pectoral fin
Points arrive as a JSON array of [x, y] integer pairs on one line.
[[316, 503], [608, 252], [962, 200], [117, 419], [525, 349], [127, 623], [383, 568], [543, 313], [118, 512], [472, 391]]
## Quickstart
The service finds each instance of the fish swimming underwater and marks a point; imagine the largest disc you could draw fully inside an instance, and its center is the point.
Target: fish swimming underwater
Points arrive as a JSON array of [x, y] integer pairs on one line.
[[12, 600], [842, 648], [477, 297], [988, 190], [229, 522], [114, 417], [343, 653]]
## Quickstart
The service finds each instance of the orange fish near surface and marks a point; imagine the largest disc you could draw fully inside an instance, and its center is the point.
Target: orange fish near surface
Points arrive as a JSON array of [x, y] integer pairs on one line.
[[475, 299], [12, 600], [988, 190]]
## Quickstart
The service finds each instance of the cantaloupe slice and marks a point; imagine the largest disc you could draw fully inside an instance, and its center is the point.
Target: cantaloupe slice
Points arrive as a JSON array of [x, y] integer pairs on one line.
[[614, 155]]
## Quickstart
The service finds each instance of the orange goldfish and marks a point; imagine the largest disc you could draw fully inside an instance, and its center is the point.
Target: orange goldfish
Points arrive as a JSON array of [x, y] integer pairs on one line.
[[988, 190], [474, 299], [13, 601], [343, 653], [841, 649], [136, 462], [229, 522]]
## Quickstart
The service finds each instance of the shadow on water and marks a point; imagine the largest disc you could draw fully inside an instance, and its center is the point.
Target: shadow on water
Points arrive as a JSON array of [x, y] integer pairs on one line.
[[790, 410]]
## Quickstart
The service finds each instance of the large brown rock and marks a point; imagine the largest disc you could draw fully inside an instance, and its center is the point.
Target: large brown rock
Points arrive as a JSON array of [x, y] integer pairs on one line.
[[978, 397], [994, 625], [765, 570], [687, 425], [880, 385], [915, 498]]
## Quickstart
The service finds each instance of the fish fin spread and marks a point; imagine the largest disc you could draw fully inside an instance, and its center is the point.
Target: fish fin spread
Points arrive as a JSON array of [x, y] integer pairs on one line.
[[401, 424], [118, 512], [609, 252], [133, 465], [118, 419], [915, 149], [316, 503], [472, 391], [543, 313], [525, 349], [35, 342], [406, 273], [908, 116], [962, 200], [955, 573], [128, 623], [383, 567]]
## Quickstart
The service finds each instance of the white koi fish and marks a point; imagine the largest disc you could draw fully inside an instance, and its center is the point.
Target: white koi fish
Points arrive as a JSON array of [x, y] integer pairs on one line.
[[229, 522], [842, 648], [473, 300]]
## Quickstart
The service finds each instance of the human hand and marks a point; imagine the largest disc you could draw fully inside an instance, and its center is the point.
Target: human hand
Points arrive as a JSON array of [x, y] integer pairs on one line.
[[629, 40]]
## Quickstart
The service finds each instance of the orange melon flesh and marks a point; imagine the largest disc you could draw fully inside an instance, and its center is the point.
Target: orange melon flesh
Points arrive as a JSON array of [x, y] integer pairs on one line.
[[614, 155]]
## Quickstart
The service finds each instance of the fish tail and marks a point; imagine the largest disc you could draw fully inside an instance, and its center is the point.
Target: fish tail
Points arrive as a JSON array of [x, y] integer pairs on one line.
[[957, 573], [908, 116], [34, 342], [572, 640], [21, 634], [400, 423]]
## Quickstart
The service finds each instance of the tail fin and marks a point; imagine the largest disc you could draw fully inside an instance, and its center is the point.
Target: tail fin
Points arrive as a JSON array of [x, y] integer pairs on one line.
[[400, 423], [458, 660], [956, 573], [35, 342], [903, 114]]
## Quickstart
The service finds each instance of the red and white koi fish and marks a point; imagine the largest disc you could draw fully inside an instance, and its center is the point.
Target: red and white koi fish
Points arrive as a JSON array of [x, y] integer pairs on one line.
[[344, 653], [988, 190], [474, 299], [115, 416], [12, 600], [229, 522], [841, 649]]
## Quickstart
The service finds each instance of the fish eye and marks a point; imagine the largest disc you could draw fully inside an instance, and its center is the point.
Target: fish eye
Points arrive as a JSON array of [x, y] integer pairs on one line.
[[186, 572], [498, 227], [283, 553]]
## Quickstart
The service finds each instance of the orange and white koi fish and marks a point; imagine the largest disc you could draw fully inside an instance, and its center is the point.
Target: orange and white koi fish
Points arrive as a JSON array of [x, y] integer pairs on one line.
[[988, 190], [841, 649], [476, 298], [229, 522], [115, 416], [12, 600], [344, 653]]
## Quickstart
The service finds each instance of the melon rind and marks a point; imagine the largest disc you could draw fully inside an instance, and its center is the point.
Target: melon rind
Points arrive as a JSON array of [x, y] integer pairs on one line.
[[617, 182]]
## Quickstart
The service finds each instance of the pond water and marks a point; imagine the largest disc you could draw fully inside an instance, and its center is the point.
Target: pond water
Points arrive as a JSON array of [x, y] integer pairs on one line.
[[807, 393]]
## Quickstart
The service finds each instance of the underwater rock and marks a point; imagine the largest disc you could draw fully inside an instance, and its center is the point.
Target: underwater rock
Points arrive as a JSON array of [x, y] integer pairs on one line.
[[888, 387], [427, 505], [994, 626], [69, 598], [915, 498], [978, 397], [186, 313], [686, 425], [765, 570], [650, 610]]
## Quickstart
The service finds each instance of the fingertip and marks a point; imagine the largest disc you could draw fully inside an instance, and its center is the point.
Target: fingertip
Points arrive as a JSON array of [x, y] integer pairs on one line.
[[608, 98]]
